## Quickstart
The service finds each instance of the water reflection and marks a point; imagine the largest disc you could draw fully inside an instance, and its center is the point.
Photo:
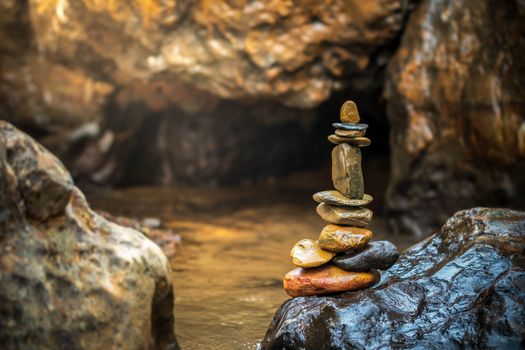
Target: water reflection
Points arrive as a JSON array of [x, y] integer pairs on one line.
[[234, 253]]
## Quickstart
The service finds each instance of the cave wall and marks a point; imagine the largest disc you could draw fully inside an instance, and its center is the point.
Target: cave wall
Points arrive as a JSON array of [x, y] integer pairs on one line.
[[213, 91], [223, 92], [456, 103]]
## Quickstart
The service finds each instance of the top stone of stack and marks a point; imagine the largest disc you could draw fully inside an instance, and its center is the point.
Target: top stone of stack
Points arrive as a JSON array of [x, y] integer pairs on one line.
[[349, 113]]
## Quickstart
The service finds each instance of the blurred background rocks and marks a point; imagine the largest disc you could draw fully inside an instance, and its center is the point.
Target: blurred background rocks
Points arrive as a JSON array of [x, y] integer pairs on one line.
[[228, 92]]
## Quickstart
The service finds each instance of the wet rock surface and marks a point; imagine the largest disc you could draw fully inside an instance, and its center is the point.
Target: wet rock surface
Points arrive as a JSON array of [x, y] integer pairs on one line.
[[379, 255], [455, 102], [463, 286], [307, 253], [68, 277], [326, 279]]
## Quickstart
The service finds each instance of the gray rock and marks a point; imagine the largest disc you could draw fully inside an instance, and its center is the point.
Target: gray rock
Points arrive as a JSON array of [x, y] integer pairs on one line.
[[379, 255], [347, 176]]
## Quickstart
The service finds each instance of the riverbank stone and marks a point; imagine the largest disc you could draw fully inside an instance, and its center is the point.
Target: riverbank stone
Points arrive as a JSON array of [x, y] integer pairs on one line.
[[379, 255], [359, 216], [349, 133], [344, 238], [349, 113], [347, 126], [354, 141], [307, 254], [326, 279], [347, 176], [333, 197]]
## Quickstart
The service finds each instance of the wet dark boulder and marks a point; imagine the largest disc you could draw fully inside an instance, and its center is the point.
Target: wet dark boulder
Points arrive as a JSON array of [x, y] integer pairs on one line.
[[454, 92], [463, 287], [70, 279]]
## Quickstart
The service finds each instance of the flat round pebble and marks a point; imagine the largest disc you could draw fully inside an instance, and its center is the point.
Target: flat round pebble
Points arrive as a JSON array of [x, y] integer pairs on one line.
[[349, 133], [354, 141], [326, 279], [334, 197], [359, 216], [349, 126], [344, 238], [307, 253]]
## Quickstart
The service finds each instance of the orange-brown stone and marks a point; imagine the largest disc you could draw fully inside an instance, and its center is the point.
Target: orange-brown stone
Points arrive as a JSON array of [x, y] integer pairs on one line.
[[326, 279], [342, 238]]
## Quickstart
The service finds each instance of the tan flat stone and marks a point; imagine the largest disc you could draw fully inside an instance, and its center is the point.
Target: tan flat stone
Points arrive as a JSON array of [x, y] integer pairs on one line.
[[359, 216], [326, 279], [347, 176], [333, 197], [349, 133], [354, 141], [343, 238], [307, 254]]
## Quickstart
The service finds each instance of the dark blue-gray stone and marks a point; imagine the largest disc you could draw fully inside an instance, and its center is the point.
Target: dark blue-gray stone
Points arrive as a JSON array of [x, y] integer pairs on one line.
[[348, 126], [376, 255]]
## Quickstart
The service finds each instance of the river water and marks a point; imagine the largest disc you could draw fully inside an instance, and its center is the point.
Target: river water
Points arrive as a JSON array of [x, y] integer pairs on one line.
[[234, 251]]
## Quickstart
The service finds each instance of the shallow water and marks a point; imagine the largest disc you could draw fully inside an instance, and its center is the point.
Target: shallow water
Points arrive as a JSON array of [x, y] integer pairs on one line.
[[234, 253]]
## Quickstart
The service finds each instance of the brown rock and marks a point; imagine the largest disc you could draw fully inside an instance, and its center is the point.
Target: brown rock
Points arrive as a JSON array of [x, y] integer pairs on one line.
[[349, 113], [457, 116], [174, 72], [347, 176], [68, 277], [354, 141], [359, 217], [326, 280], [349, 133], [343, 238], [333, 197], [307, 253]]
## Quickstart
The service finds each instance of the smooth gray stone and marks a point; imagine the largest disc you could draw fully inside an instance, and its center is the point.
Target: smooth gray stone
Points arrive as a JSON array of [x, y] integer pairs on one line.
[[348, 126], [376, 255]]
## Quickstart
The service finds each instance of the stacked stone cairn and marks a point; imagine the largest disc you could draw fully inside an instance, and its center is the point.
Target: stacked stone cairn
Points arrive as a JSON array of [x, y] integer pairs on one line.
[[343, 258]]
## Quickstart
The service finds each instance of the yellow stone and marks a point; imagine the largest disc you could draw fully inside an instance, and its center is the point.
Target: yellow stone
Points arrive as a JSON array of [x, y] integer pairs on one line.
[[349, 113], [357, 216], [342, 238], [307, 253]]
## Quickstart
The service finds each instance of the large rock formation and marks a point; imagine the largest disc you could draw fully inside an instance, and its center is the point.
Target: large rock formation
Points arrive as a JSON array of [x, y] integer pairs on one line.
[[189, 82], [69, 279], [463, 287], [455, 103]]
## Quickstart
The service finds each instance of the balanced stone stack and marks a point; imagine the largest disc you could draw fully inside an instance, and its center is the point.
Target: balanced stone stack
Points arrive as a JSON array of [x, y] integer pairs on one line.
[[343, 258]]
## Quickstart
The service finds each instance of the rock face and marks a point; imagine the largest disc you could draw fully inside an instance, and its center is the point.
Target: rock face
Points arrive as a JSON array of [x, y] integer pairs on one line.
[[455, 103], [68, 277], [462, 287], [109, 79]]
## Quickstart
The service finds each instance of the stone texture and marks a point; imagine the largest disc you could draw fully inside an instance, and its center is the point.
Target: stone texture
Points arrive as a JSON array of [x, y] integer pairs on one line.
[[69, 279], [349, 133], [337, 198], [347, 176], [102, 81], [344, 238], [455, 103], [350, 216], [462, 287], [354, 141], [346, 126], [306, 253], [349, 113], [326, 279], [379, 255]]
